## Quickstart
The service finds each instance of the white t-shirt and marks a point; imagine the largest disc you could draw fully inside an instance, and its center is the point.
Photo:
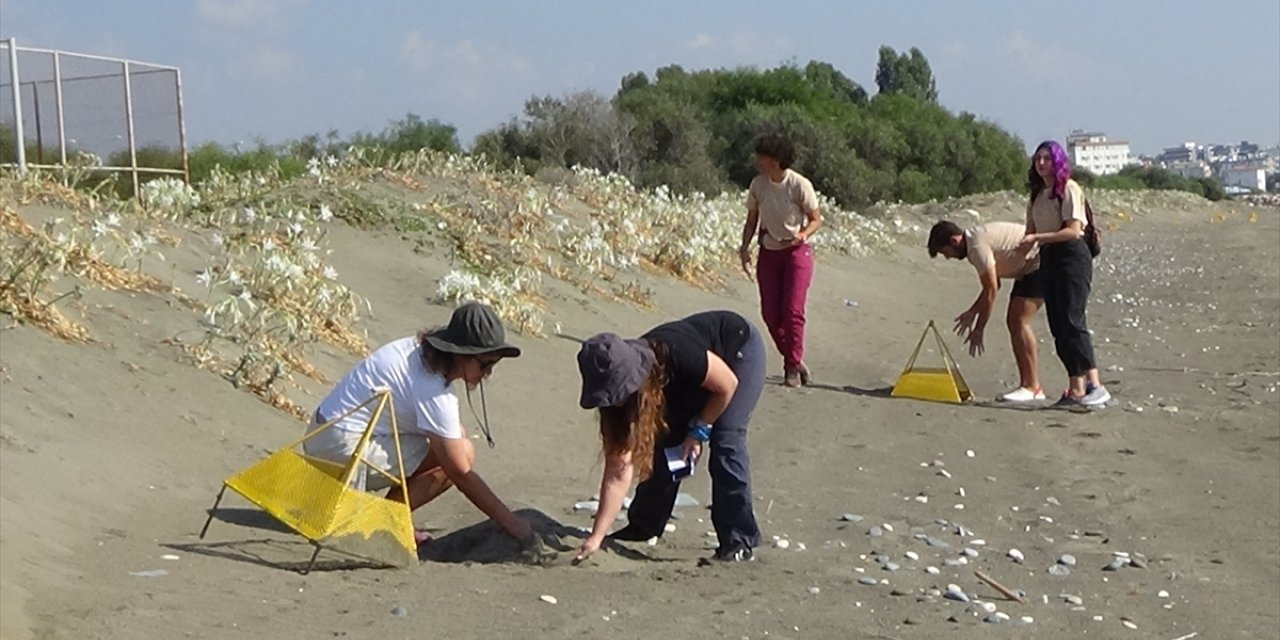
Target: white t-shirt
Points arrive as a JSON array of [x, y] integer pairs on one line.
[[784, 207], [423, 400]]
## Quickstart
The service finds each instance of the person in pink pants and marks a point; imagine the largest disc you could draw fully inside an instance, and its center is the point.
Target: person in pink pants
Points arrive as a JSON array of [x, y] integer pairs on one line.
[[782, 212]]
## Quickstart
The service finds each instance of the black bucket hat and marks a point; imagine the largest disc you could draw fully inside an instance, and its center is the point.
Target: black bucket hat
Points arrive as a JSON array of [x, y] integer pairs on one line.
[[612, 369], [474, 330]]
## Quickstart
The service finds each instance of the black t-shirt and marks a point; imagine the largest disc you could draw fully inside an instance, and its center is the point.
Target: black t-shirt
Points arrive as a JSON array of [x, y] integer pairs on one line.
[[723, 333]]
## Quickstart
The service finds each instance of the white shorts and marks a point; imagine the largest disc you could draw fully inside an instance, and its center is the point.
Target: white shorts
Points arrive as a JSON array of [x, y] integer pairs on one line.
[[336, 445]]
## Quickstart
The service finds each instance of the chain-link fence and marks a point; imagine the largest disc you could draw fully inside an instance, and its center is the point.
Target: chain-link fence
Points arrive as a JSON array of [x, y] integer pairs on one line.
[[60, 109]]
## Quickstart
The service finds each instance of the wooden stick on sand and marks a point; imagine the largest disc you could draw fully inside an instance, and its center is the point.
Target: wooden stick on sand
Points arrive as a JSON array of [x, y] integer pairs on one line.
[[999, 587]]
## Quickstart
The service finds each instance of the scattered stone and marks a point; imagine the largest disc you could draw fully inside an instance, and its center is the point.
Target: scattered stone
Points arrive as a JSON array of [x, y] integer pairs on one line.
[[870, 582], [669, 528], [1053, 501], [399, 612], [1074, 600], [994, 618], [899, 592], [548, 599], [1059, 570], [851, 517], [1016, 556], [587, 505], [1128, 624], [937, 463], [1116, 564], [922, 499], [933, 571], [969, 453], [988, 607], [782, 544], [978, 542], [875, 532], [813, 591], [959, 507], [1027, 620], [911, 621], [960, 492], [944, 473], [800, 546], [891, 566], [879, 558], [1067, 559], [169, 556], [887, 527], [954, 562], [970, 553], [911, 555], [1138, 561], [954, 592], [150, 573]]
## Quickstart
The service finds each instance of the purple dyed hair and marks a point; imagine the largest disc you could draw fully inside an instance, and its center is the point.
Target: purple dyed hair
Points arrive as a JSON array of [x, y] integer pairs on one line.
[[1061, 170]]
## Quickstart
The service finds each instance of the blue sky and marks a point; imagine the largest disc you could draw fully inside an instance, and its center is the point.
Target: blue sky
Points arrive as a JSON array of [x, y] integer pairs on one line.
[[1156, 73]]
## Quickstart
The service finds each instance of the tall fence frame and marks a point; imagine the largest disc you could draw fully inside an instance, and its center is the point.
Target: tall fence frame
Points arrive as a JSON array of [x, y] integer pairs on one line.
[[128, 71]]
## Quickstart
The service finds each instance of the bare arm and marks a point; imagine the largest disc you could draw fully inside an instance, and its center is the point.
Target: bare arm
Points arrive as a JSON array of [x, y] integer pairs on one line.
[[722, 383], [613, 489], [456, 461], [987, 299], [814, 217], [750, 228], [1071, 230]]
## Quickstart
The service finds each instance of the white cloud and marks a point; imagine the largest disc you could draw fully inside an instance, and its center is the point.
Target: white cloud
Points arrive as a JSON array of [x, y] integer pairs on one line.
[[1038, 57], [461, 60], [272, 61], [241, 13], [738, 48], [700, 41]]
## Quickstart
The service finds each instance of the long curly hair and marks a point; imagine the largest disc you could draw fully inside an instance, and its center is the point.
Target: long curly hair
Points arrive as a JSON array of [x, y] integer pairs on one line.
[[638, 425], [1061, 171]]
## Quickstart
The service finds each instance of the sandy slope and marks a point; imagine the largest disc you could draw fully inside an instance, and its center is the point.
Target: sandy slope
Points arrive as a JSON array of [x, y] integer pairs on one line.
[[111, 453]]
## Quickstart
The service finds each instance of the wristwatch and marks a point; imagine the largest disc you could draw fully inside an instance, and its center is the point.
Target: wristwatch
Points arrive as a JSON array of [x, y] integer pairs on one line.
[[699, 430]]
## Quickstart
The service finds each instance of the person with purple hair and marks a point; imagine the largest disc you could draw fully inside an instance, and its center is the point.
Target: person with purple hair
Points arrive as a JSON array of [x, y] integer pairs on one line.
[[1056, 220]]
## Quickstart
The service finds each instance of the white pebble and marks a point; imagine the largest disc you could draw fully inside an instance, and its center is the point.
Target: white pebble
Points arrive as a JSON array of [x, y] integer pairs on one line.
[[959, 507], [1027, 619], [548, 599], [813, 591], [1016, 556], [670, 528], [800, 546], [933, 571], [922, 499], [887, 527], [969, 453], [960, 492], [168, 556], [913, 555], [989, 607], [979, 542], [1162, 594], [1128, 624], [944, 473], [782, 544]]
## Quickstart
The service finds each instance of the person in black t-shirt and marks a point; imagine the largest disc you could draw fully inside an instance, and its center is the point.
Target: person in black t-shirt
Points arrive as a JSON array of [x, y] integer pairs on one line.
[[683, 384]]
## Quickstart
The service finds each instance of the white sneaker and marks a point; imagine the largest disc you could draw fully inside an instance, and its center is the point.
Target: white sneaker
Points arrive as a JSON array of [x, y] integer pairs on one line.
[[1096, 397], [1022, 394]]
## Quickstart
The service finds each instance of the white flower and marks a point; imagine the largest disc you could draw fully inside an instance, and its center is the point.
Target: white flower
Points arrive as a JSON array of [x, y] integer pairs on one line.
[[234, 278], [313, 168], [136, 245], [308, 245], [295, 229], [99, 229], [218, 240], [250, 215], [330, 272], [269, 245], [326, 214], [205, 278], [113, 220], [246, 297], [331, 161], [61, 239]]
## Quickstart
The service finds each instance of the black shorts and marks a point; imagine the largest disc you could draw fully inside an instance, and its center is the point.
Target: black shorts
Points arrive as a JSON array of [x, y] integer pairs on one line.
[[1031, 285]]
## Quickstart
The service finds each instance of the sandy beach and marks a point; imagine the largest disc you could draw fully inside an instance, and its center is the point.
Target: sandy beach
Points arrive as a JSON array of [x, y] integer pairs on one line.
[[111, 453]]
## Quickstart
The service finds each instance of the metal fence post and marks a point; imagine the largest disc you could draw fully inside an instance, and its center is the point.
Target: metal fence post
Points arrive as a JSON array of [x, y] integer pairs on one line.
[[182, 126], [128, 110], [20, 143], [57, 99]]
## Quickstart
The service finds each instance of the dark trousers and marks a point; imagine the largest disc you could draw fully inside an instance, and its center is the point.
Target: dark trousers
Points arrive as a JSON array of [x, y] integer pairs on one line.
[[1068, 279], [731, 509]]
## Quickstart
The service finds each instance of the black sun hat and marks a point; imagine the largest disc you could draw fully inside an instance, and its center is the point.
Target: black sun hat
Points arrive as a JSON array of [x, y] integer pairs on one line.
[[473, 330]]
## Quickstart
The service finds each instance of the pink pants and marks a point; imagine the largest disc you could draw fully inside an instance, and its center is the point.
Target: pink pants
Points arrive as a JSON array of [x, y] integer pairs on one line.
[[784, 277]]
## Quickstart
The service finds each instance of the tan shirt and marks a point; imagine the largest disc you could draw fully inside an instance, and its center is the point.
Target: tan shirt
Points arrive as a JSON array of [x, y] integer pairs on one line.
[[996, 244], [783, 207], [1046, 215]]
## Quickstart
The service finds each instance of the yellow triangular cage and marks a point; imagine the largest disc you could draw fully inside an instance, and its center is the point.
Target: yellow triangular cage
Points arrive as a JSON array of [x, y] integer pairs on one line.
[[938, 384], [318, 499]]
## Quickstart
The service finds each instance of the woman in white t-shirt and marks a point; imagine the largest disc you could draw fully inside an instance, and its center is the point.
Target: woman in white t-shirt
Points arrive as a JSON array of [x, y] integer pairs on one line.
[[782, 213], [1056, 220], [420, 372]]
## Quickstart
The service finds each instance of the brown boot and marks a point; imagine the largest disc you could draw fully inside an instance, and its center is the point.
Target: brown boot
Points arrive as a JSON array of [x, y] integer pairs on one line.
[[792, 378], [805, 378]]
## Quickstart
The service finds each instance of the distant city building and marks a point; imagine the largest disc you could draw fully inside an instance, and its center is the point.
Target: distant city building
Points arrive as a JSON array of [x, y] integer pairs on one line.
[[1093, 152], [1193, 169], [1185, 153], [1246, 175]]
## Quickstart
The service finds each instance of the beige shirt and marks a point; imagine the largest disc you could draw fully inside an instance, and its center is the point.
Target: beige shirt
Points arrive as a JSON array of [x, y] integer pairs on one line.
[[996, 244], [1046, 215], [783, 207]]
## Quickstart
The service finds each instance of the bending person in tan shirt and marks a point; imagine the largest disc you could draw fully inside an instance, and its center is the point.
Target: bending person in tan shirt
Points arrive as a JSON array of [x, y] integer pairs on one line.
[[782, 210], [995, 252]]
